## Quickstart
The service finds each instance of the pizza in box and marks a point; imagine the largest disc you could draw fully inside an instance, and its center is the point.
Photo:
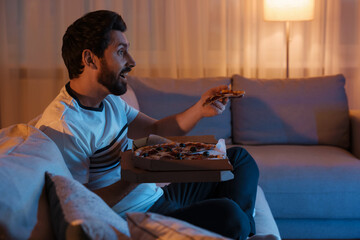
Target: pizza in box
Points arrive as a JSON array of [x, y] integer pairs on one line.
[[178, 156]]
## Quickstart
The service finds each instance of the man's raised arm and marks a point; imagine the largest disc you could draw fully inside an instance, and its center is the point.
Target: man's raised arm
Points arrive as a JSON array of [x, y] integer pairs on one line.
[[178, 124]]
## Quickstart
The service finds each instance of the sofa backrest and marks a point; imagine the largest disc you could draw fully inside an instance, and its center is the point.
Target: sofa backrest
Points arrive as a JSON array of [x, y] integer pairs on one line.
[[161, 97], [307, 111], [291, 111], [130, 98]]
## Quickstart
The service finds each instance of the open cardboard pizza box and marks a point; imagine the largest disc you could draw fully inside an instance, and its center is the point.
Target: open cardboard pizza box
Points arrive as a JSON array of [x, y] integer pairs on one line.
[[140, 169]]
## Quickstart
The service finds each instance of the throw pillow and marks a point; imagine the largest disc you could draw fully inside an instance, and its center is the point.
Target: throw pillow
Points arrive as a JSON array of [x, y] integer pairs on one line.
[[291, 111], [150, 226], [76, 212], [162, 97]]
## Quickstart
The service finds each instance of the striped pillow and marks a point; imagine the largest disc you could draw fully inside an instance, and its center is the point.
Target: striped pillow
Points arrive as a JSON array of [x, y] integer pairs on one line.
[[77, 212]]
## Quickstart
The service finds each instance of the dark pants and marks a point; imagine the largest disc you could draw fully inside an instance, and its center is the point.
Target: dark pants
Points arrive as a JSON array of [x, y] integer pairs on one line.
[[225, 207]]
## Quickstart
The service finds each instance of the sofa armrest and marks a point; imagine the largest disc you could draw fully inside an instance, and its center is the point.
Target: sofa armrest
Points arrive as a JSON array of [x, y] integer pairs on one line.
[[355, 132]]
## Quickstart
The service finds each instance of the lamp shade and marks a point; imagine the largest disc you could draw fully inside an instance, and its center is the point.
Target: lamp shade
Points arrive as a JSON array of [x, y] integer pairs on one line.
[[288, 10]]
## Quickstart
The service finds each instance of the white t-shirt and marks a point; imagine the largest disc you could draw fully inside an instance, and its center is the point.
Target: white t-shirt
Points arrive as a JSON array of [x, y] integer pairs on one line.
[[90, 140]]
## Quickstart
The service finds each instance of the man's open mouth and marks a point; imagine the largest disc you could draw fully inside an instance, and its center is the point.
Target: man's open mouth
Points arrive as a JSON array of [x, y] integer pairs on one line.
[[125, 72]]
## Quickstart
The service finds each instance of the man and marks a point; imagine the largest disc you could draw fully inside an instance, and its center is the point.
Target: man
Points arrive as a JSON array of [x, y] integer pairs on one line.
[[90, 124]]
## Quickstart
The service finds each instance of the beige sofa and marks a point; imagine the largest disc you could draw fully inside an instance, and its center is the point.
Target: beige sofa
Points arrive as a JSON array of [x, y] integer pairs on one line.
[[301, 133]]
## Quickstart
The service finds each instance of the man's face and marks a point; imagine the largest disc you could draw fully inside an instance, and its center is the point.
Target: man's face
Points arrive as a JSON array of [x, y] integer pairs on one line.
[[115, 64]]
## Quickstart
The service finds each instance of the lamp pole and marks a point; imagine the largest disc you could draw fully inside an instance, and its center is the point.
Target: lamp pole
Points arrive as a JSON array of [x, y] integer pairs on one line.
[[287, 47]]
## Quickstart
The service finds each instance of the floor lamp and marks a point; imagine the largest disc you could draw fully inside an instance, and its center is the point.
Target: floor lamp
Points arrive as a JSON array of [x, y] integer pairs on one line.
[[288, 11]]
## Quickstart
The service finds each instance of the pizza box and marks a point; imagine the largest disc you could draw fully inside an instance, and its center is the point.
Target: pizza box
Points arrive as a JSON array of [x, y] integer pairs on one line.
[[173, 170], [178, 165], [183, 164], [131, 173]]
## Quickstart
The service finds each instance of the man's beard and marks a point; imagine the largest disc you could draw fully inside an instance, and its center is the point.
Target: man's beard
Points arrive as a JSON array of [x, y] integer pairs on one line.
[[113, 82]]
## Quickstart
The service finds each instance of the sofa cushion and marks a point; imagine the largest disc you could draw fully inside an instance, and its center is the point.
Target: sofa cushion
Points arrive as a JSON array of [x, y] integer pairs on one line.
[[76, 210], [161, 97], [291, 111], [25, 154], [319, 228], [151, 226], [309, 181]]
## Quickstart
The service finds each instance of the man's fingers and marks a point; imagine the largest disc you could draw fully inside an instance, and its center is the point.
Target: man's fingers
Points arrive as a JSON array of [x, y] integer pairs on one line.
[[219, 106], [224, 101]]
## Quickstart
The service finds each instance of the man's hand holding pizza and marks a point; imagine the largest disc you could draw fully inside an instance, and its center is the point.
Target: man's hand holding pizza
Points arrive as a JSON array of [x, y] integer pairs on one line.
[[214, 107]]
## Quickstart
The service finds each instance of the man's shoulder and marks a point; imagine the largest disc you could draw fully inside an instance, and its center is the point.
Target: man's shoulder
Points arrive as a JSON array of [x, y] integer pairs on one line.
[[53, 121], [114, 100], [57, 112], [116, 103]]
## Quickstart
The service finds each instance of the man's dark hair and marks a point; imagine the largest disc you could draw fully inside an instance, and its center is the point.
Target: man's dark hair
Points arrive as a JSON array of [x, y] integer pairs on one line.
[[92, 31]]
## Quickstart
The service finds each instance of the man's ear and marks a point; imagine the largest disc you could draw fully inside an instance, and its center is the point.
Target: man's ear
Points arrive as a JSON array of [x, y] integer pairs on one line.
[[89, 59]]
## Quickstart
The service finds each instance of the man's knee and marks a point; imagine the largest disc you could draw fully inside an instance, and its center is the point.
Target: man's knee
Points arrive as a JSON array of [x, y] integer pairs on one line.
[[239, 156]]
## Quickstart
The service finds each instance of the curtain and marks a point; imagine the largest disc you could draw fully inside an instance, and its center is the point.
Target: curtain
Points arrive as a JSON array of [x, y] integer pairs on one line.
[[172, 38]]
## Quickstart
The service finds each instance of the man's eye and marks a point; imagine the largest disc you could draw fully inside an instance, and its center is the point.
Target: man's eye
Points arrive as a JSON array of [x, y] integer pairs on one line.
[[121, 52]]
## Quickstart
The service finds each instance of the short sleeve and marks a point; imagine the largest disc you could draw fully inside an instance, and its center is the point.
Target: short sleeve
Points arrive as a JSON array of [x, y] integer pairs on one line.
[[73, 147], [130, 112]]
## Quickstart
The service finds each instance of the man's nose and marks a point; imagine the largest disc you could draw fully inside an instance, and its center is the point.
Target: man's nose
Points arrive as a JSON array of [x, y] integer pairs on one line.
[[131, 62]]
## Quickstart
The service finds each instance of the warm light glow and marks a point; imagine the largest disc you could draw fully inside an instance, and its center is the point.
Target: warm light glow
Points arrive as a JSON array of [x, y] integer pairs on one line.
[[288, 10]]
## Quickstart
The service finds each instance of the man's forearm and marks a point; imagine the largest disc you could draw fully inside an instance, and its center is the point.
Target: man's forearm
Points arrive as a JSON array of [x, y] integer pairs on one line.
[[178, 124], [115, 192]]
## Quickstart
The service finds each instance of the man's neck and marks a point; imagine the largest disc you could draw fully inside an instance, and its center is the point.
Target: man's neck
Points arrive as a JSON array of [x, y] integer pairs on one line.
[[87, 94]]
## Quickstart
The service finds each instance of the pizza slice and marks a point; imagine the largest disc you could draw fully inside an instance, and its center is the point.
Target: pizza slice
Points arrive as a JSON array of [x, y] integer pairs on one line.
[[226, 93]]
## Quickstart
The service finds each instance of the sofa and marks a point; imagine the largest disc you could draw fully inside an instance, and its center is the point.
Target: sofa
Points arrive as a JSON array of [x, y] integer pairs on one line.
[[301, 133], [41, 200]]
